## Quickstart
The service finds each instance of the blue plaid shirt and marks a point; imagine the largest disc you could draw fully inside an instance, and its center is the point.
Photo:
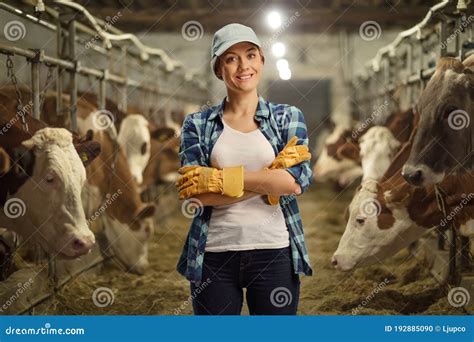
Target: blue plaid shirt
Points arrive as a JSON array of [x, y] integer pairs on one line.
[[200, 131]]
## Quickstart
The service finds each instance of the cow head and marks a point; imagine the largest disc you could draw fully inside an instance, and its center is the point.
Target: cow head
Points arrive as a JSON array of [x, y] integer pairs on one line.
[[50, 197], [374, 231], [130, 241], [443, 142], [378, 146], [329, 167], [134, 137]]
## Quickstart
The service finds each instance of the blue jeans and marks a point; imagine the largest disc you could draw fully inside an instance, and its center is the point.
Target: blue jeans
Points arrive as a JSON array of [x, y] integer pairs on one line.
[[267, 274]]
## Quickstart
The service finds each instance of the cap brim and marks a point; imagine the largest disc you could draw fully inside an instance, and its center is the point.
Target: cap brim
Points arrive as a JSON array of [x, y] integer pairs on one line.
[[227, 45]]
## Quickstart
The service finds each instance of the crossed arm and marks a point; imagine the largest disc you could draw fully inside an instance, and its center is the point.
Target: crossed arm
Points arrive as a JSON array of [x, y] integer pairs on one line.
[[265, 182]]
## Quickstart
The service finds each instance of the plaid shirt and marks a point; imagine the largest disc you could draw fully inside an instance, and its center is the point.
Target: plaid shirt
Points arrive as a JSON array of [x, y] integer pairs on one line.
[[200, 131]]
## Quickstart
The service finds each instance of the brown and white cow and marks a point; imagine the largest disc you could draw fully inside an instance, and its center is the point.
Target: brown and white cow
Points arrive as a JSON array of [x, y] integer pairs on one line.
[[388, 215], [111, 190], [164, 160], [329, 166], [443, 144], [41, 192], [133, 133]]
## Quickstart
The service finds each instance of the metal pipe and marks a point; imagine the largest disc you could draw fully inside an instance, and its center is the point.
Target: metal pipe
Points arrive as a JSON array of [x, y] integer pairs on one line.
[[35, 88], [73, 74]]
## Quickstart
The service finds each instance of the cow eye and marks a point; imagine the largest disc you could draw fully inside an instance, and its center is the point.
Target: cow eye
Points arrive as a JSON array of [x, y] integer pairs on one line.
[[448, 111], [360, 220], [143, 148]]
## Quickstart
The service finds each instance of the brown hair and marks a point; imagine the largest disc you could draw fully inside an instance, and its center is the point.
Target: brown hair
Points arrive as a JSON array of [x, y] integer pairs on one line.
[[218, 61]]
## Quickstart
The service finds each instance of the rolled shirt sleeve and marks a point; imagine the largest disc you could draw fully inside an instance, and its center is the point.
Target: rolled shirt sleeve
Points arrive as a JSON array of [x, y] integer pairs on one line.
[[296, 126]]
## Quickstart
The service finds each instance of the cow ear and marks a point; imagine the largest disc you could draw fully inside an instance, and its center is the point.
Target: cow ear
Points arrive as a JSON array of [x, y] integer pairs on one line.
[[4, 161], [28, 144], [88, 151], [145, 211]]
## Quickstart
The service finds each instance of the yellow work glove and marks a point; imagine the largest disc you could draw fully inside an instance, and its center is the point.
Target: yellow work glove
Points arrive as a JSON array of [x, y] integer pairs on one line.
[[195, 180], [291, 155]]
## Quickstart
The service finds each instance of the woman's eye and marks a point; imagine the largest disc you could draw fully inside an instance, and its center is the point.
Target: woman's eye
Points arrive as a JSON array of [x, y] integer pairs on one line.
[[231, 59], [252, 55]]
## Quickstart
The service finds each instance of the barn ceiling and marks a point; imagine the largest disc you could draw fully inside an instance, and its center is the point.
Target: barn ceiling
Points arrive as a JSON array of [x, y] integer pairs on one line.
[[314, 15]]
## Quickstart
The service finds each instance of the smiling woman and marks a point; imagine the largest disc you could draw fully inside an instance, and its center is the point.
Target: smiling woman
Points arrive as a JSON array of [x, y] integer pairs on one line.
[[229, 167]]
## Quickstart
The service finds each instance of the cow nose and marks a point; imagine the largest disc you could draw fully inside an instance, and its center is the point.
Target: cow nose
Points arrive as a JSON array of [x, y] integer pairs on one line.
[[82, 246], [334, 261], [413, 176]]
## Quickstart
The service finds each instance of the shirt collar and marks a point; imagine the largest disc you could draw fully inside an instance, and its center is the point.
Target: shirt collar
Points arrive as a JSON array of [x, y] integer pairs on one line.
[[263, 109]]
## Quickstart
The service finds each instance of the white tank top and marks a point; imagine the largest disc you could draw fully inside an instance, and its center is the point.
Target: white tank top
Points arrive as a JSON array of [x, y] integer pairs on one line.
[[251, 223]]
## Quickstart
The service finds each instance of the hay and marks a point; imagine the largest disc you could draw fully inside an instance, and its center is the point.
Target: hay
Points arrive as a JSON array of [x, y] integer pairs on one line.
[[410, 289]]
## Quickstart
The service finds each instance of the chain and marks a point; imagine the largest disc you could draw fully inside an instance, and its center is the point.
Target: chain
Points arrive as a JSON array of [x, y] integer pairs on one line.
[[14, 81], [47, 84]]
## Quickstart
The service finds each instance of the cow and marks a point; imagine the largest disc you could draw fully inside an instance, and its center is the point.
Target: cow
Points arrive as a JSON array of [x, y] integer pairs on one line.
[[387, 215], [443, 144], [41, 192], [111, 190], [133, 132], [164, 160], [377, 149], [134, 137], [329, 167]]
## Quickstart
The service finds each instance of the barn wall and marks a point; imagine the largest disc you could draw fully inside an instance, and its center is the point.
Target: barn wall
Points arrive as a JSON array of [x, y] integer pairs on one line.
[[311, 57]]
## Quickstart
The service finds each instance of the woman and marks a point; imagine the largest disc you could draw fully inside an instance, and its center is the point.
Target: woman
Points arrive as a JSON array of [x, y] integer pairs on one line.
[[229, 168]]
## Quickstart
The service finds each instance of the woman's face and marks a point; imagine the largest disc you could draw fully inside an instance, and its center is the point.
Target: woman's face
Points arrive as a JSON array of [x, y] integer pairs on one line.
[[240, 67]]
